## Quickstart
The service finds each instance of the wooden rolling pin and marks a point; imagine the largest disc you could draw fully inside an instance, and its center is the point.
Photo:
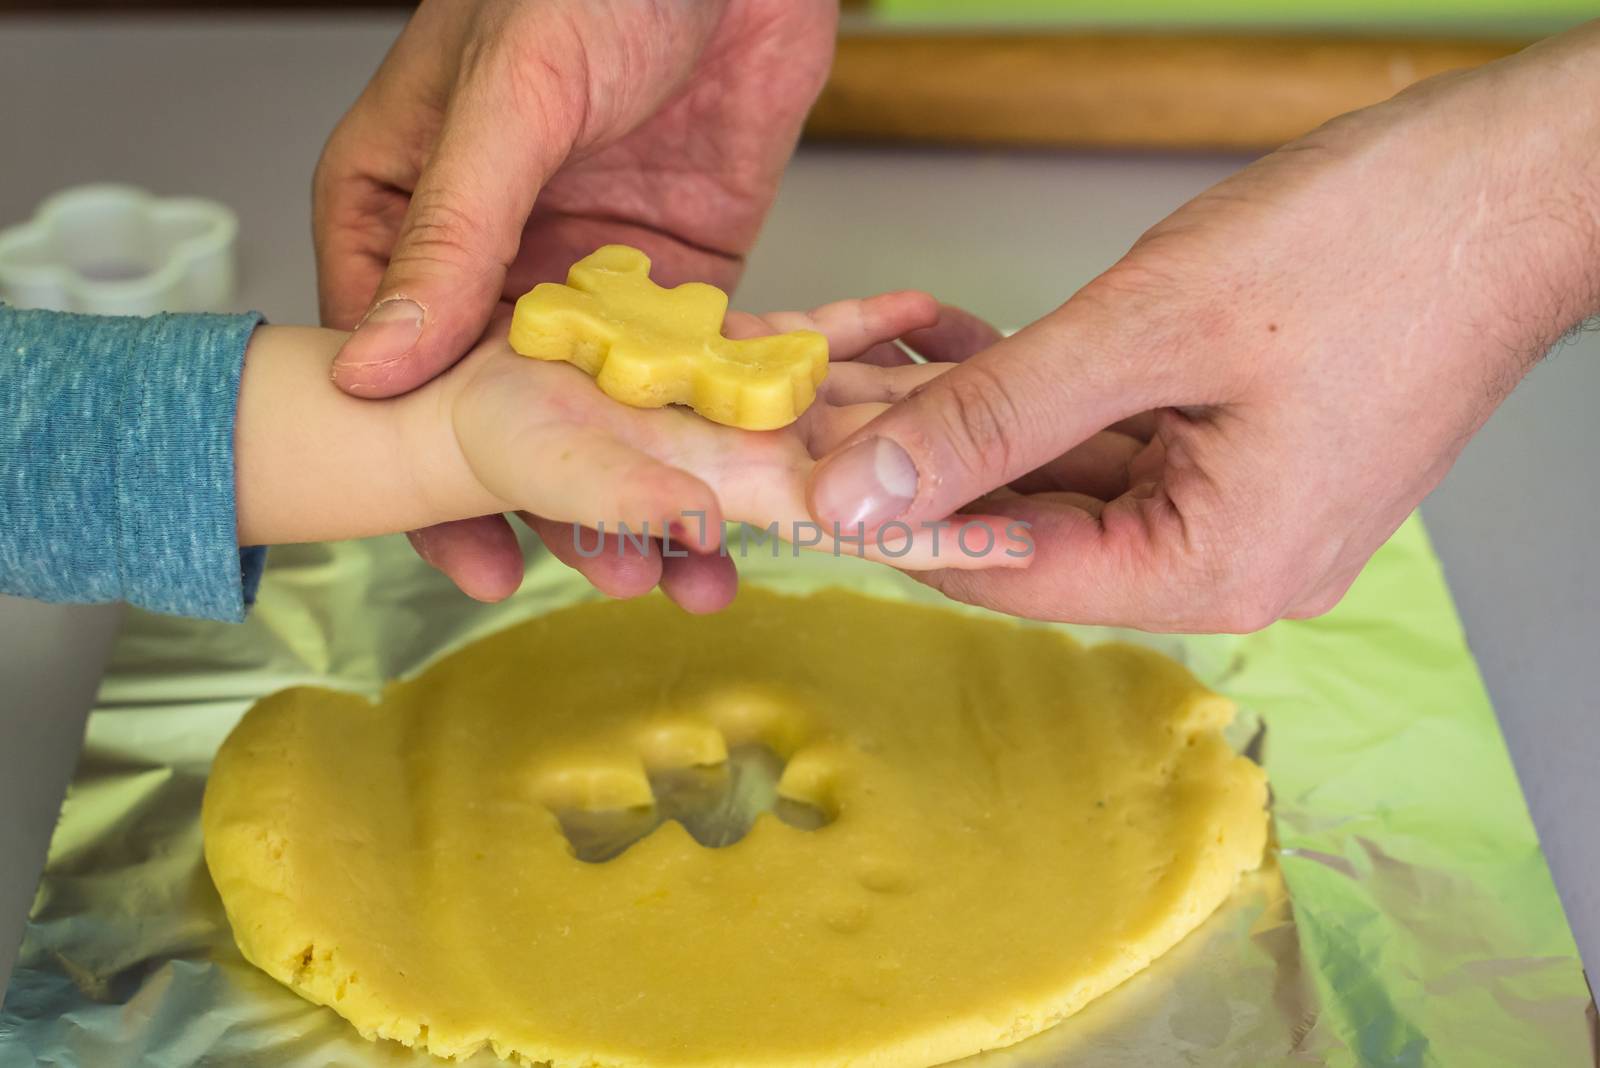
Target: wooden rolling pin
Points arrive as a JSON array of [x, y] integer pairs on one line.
[[1121, 90]]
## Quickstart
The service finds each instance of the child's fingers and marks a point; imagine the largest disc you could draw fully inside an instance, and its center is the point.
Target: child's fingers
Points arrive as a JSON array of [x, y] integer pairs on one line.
[[854, 394], [826, 427], [744, 325], [852, 327], [700, 582], [739, 325], [697, 582], [866, 328], [860, 383], [615, 568], [480, 555], [953, 336], [886, 354], [584, 475]]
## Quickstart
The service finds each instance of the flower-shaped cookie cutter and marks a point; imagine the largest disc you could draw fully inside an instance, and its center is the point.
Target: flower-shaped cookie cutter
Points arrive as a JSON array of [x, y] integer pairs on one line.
[[118, 250]]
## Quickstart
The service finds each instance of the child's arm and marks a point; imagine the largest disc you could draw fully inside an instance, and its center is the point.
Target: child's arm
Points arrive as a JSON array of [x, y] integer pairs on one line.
[[503, 433], [315, 464], [123, 442]]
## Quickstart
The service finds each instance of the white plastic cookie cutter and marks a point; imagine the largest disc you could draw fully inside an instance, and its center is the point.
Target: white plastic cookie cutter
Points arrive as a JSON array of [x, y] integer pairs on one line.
[[118, 250]]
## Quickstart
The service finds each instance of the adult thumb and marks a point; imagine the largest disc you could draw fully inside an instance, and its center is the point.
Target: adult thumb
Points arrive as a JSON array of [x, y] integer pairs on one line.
[[1004, 412], [447, 272]]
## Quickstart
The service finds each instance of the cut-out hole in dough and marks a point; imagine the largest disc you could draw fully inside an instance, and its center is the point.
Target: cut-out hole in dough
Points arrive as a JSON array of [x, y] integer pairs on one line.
[[717, 804]]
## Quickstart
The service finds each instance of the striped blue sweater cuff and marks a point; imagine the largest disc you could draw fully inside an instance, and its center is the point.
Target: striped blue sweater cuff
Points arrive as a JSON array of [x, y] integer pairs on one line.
[[116, 461]]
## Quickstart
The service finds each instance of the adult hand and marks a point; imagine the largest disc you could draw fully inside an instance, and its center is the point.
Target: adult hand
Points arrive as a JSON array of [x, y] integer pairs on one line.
[[1221, 429], [663, 124]]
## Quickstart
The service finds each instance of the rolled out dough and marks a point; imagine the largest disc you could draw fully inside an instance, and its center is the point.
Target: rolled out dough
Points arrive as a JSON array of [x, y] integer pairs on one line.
[[1017, 824]]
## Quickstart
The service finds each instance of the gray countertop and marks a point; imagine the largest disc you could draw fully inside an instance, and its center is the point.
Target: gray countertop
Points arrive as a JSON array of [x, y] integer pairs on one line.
[[237, 109]]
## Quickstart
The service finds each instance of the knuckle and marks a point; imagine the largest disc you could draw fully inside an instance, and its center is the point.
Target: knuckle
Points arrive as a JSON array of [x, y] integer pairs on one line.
[[979, 417], [440, 231]]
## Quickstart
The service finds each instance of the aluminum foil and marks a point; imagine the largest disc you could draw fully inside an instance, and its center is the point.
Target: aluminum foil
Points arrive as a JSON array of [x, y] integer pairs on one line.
[[1405, 914]]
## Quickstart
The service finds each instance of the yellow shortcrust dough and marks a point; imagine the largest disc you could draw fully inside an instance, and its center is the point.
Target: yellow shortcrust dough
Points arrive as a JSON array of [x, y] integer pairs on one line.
[[649, 346], [1018, 824]]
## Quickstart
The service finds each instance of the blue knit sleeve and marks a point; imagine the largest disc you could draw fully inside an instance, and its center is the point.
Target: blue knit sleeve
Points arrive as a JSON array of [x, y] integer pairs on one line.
[[116, 461]]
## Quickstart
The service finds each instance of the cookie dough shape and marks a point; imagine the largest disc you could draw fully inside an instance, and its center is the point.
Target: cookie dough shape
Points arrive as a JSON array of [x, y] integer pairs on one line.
[[648, 346], [1018, 824]]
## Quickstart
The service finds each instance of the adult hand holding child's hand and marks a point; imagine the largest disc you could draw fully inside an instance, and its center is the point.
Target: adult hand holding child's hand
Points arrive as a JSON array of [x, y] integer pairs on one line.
[[662, 125], [1221, 429], [501, 433], [538, 437]]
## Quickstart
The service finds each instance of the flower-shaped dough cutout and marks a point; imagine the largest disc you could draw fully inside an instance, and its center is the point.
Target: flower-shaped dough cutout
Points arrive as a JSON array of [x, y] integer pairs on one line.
[[118, 250], [715, 781], [649, 346]]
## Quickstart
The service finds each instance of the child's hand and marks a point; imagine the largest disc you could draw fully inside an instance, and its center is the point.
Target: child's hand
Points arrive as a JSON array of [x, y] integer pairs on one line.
[[540, 439]]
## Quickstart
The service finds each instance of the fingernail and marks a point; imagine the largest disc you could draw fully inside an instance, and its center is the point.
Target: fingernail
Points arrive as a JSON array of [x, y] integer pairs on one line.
[[870, 483], [389, 331]]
